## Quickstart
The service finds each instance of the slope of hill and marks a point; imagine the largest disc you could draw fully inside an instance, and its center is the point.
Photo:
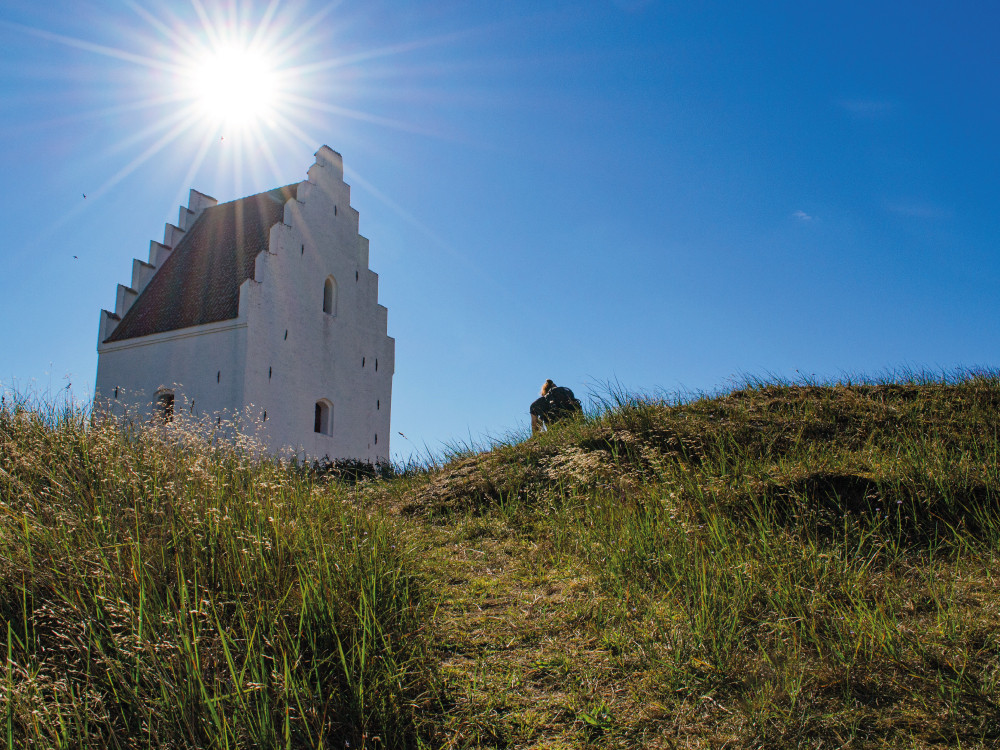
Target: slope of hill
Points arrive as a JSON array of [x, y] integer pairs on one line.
[[783, 565]]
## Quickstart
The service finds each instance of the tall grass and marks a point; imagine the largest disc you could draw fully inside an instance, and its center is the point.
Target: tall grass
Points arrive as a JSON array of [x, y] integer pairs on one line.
[[786, 541], [787, 564], [155, 592]]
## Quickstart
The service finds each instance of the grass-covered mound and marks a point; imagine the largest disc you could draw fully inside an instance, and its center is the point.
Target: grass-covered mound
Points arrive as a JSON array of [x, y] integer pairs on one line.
[[783, 565]]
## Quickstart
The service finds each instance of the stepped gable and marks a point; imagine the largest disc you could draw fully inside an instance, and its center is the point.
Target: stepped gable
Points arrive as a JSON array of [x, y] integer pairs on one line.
[[200, 282]]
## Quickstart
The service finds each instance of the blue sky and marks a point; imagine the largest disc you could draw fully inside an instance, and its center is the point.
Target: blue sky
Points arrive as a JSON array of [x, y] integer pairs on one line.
[[663, 195]]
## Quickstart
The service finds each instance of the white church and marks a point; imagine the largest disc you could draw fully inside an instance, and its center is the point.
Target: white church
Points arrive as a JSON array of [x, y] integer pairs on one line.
[[261, 311]]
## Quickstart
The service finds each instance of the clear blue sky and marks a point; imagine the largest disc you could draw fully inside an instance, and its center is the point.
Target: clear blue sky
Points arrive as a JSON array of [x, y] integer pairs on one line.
[[665, 195]]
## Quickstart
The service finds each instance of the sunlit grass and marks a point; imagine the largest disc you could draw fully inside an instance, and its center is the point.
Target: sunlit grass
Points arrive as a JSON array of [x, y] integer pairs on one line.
[[782, 565], [156, 592]]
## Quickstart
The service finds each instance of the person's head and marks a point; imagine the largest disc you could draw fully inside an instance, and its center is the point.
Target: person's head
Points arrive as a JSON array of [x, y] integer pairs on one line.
[[548, 386]]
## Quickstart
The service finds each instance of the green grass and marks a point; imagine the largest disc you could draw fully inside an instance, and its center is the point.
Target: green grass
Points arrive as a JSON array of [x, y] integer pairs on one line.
[[781, 565], [156, 593]]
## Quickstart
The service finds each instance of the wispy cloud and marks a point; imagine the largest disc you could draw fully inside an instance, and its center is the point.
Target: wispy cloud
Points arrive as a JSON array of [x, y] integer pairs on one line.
[[802, 215]]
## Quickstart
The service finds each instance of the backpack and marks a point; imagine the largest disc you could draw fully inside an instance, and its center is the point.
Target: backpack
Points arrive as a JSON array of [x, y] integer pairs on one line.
[[562, 402]]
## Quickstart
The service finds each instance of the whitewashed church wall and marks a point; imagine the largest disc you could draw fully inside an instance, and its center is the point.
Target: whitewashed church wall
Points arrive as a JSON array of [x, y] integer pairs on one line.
[[297, 353], [201, 365]]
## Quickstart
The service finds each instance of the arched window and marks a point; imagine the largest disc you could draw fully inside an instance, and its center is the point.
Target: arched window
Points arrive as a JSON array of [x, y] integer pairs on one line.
[[330, 296], [323, 423]]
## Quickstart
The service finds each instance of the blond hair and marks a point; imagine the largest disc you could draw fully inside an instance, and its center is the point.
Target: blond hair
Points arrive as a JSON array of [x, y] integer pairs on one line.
[[547, 386]]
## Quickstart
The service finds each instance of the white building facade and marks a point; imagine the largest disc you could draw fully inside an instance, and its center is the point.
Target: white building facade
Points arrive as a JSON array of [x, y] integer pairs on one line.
[[262, 312]]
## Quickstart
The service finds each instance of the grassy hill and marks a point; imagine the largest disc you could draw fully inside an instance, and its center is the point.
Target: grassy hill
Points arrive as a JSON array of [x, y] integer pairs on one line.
[[783, 565]]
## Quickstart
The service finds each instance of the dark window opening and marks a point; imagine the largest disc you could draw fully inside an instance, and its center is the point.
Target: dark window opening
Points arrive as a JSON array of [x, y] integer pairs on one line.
[[355, 275], [330, 296], [218, 420], [218, 375], [362, 361], [303, 250], [376, 364], [376, 438], [116, 391], [286, 334], [166, 406], [268, 373], [265, 416], [378, 404], [323, 420], [191, 407], [334, 209]]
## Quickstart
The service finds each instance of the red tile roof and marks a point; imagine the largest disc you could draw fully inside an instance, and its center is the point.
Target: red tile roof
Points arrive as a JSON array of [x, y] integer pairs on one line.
[[200, 281]]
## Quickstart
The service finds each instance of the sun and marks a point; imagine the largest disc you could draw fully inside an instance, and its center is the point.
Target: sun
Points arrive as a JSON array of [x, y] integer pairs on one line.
[[269, 79], [234, 87]]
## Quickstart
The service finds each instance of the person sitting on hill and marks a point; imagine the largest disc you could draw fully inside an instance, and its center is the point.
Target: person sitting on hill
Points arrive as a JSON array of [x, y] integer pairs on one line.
[[556, 402]]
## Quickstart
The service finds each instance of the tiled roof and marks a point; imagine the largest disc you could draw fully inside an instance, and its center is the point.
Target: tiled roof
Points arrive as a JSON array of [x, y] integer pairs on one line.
[[200, 281]]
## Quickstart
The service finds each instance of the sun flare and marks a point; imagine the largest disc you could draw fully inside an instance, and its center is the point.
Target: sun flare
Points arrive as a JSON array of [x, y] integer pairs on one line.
[[224, 85], [234, 86]]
